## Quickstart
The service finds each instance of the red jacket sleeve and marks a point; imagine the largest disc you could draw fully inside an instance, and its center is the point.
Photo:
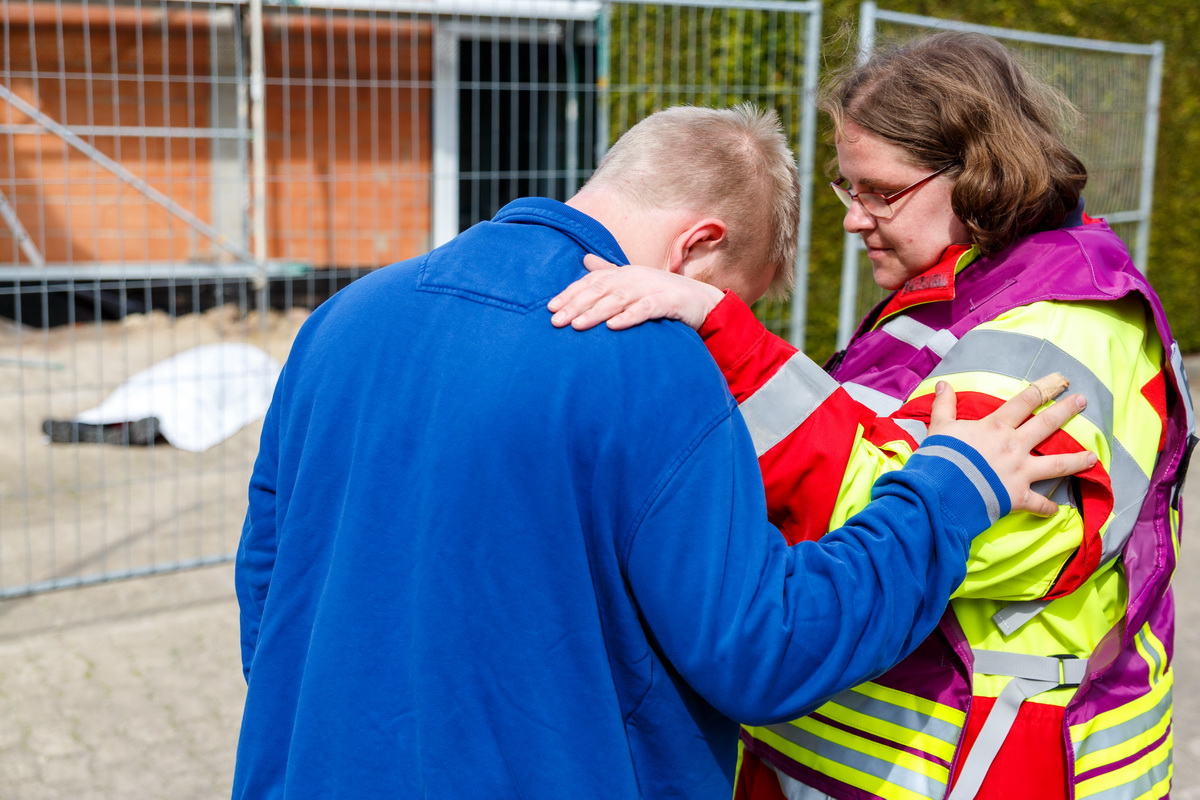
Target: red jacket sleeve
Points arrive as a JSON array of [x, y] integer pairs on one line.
[[804, 469]]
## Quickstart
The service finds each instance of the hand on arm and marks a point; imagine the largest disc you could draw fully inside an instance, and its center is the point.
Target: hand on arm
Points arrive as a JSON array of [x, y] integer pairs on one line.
[[765, 631], [629, 296], [1005, 438]]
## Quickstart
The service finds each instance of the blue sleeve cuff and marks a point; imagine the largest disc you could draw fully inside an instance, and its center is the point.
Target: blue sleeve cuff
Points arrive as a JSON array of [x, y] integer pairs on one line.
[[939, 454]]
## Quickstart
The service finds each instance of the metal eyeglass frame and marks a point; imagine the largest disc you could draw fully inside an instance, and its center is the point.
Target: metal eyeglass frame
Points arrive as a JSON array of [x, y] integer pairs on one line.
[[848, 197]]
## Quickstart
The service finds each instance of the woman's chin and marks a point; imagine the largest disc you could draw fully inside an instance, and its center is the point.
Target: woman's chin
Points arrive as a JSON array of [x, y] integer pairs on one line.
[[888, 279]]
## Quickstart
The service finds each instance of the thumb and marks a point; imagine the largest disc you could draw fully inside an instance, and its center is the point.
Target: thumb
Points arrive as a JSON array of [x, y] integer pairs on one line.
[[594, 263], [945, 405]]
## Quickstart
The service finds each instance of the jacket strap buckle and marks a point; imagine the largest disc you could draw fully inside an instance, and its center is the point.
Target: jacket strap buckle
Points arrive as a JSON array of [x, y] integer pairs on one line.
[[1031, 675]]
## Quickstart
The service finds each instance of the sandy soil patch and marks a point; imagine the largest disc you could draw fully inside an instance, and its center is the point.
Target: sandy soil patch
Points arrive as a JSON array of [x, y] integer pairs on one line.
[[81, 512]]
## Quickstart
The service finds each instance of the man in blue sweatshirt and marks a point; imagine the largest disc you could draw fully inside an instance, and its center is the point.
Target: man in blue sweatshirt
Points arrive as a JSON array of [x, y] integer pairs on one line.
[[487, 558]]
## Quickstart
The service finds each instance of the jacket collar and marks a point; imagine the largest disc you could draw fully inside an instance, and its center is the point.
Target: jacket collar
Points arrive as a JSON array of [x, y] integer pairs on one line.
[[585, 231], [932, 285]]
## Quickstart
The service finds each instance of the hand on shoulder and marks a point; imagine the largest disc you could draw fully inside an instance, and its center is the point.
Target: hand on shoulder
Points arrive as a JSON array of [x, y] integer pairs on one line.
[[628, 296]]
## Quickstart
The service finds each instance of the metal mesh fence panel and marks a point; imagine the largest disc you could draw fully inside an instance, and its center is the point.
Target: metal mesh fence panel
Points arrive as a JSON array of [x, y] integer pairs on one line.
[[182, 182], [122, 167], [709, 54]]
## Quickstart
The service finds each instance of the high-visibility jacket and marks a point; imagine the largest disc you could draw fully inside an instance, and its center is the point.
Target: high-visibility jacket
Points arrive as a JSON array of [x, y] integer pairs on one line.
[[1049, 676]]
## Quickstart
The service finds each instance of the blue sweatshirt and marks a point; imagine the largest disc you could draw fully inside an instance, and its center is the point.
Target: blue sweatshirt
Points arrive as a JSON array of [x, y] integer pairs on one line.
[[485, 557]]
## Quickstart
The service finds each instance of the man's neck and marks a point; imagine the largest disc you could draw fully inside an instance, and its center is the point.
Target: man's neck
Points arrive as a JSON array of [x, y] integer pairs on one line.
[[642, 233]]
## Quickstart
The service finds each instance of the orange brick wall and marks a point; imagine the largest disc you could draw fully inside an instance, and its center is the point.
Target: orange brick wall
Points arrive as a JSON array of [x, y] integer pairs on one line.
[[348, 153], [349, 140]]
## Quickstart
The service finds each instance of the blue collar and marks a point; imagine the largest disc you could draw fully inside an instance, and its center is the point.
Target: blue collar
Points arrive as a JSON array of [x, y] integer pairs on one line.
[[528, 253], [587, 232]]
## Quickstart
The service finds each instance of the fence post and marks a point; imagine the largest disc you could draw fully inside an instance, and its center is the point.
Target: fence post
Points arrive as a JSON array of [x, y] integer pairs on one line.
[[258, 121], [808, 138], [1141, 256]]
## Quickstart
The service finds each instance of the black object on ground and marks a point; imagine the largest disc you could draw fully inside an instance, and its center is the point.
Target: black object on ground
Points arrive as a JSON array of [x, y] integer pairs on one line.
[[139, 432]]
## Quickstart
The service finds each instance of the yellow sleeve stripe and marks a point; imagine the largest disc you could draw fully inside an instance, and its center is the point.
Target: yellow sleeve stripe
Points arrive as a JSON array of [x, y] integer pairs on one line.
[[920, 705], [1124, 731], [875, 768], [1145, 779]]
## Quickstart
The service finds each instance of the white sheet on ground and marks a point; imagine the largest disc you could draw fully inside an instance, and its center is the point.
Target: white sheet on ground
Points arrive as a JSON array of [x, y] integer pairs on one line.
[[201, 396]]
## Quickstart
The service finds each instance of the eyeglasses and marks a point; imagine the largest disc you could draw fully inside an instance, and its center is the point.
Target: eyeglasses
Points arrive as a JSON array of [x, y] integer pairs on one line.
[[879, 205]]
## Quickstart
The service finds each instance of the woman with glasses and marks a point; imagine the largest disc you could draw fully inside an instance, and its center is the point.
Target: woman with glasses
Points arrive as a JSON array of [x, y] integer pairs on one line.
[[1049, 676]]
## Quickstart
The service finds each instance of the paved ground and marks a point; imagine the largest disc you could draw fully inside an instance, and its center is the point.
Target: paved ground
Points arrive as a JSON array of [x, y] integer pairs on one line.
[[134, 690], [125, 690]]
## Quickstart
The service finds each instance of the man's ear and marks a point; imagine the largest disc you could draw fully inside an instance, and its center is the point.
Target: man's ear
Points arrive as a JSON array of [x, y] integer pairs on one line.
[[694, 250]]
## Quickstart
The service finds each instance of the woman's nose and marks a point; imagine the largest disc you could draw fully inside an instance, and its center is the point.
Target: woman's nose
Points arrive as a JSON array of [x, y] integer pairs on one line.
[[857, 218]]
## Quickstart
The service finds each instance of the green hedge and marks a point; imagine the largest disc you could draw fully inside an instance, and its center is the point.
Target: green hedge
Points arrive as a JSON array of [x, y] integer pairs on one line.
[[1175, 238]]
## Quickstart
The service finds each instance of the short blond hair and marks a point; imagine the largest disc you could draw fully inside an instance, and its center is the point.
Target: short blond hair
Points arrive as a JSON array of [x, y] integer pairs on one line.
[[732, 163]]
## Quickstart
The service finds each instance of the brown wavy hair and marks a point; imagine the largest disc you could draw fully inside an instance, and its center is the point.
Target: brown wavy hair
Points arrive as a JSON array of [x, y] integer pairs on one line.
[[963, 101]]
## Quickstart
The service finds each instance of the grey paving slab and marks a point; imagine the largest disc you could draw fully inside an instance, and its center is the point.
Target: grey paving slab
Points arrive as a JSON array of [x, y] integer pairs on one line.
[[122, 690]]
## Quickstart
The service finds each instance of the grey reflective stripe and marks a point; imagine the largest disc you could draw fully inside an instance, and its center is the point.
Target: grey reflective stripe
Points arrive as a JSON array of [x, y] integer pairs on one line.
[[915, 428], [993, 733], [1057, 490], [882, 404], [1144, 782], [795, 790], [971, 472], [880, 768], [1130, 729], [783, 403], [1031, 676], [1025, 357], [908, 718], [1153, 651], [1189, 412], [918, 334], [1182, 378], [1015, 615], [941, 342], [1129, 486]]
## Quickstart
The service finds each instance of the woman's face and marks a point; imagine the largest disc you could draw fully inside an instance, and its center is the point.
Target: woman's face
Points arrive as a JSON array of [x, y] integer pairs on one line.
[[922, 224]]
